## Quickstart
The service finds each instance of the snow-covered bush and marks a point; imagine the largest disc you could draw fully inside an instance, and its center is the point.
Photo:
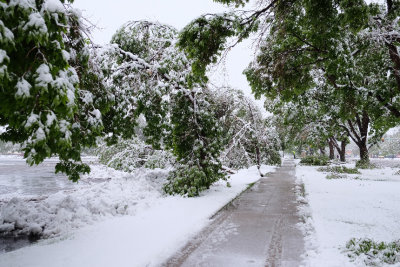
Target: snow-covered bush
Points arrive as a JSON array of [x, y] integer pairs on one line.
[[339, 169], [365, 164], [373, 253], [8, 147], [315, 160], [128, 155], [190, 181]]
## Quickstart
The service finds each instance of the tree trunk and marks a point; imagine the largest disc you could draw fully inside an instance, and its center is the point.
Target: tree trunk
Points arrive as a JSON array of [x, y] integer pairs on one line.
[[364, 156], [342, 152], [360, 137], [331, 150]]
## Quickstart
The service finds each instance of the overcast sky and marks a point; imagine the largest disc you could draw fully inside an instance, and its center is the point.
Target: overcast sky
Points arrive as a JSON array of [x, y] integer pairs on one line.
[[109, 15]]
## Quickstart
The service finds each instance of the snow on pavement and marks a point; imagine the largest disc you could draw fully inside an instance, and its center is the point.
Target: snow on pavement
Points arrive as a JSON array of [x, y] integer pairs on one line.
[[362, 206], [146, 238]]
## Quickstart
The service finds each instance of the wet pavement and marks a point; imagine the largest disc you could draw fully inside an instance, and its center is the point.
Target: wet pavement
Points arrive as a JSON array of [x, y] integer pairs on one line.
[[256, 229]]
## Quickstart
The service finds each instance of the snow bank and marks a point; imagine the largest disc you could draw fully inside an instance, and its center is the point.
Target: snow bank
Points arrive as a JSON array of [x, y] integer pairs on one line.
[[100, 197], [147, 238], [361, 206]]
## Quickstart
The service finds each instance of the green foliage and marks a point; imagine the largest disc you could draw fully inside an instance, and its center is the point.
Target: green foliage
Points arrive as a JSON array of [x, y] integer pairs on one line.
[[191, 181], [335, 176], [374, 253], [50, 99], [204, 39], [177, 111], [315, 160], [339, 169], [329, 53], [365, 164]]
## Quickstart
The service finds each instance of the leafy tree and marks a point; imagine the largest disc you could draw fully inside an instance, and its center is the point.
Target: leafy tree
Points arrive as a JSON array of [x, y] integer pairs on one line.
[[250, 139], [340, 48], [149, 76], [49, 99]]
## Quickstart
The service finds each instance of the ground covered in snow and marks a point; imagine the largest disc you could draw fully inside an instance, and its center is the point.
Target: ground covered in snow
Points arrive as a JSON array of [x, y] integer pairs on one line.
[[364, 205], [87, 228]]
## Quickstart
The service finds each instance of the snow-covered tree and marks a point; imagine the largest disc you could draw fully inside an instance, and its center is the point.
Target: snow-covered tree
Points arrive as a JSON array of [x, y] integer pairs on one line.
[[249, 137], [346, 49], [149, 76], [49, 99]]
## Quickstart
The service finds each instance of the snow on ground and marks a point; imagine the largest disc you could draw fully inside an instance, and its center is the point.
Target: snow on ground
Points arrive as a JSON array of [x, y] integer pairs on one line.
[[147, 236], [85, 204], [362, 205]]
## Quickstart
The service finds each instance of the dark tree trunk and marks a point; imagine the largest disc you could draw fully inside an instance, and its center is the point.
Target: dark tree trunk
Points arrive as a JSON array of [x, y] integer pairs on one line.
[[331, 150], [364, 156], [340, 149], [342, 152], [360, 137]]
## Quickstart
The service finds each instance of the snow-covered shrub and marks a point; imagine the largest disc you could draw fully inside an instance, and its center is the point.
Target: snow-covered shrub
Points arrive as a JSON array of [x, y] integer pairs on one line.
[[191, 181], [365, 164], [373, 253], [315, 160], [8, 147], [336, 175], [128, 155], [339, 169]]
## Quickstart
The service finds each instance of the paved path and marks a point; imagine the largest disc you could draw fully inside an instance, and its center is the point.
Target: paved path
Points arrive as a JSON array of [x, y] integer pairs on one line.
[[257, 229]]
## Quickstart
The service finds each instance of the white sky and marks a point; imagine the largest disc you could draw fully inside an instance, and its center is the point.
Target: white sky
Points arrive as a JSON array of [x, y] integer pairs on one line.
[[109, 15]]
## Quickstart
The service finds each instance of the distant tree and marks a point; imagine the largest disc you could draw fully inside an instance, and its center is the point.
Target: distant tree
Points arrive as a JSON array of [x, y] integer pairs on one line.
[[250, 139]]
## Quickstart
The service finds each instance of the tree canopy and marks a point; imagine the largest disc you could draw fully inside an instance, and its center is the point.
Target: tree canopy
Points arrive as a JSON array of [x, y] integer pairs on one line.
[[340, 55]]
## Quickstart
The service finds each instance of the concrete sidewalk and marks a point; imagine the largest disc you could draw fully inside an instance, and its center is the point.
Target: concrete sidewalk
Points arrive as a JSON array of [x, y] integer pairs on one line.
[[256, 229]]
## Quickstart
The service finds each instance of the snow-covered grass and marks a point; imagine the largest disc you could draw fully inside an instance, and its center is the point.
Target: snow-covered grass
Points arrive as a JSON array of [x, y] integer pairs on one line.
[[362, 205], [154, 228]]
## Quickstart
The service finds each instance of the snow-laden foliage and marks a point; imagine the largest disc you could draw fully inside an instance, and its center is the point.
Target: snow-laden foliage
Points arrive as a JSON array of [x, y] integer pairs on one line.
[[128, 155], [250, 139], [339, 69], [8, 147], [346, 50], [50, 102], [150, 77], [373, 253]]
